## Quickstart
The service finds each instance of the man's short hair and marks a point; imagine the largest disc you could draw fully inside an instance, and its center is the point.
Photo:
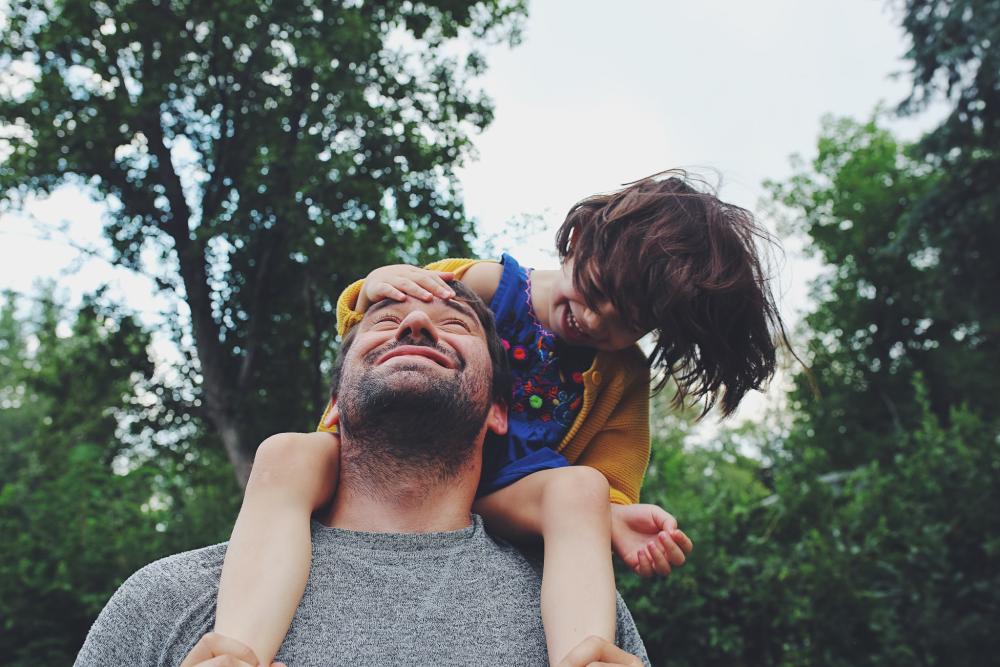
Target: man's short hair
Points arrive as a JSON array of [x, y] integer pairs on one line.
[[501, 378]]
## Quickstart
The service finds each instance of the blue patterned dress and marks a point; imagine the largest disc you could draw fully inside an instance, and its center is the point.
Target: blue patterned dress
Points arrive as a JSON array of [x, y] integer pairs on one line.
[[548, 386]]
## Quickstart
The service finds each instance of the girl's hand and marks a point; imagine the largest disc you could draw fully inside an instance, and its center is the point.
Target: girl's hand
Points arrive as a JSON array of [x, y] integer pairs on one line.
[[646, 538], [215, 650], [398, 281]]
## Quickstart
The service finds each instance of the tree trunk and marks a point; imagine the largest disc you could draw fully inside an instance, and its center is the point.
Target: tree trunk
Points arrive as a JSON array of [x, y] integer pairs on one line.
[[218, 377], [239, 457]]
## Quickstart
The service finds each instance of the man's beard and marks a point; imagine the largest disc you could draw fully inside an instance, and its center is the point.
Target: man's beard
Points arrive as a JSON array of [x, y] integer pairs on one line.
[[424, 427]]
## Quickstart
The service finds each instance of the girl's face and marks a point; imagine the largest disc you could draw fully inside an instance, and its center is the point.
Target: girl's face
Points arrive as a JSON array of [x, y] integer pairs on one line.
[[572, 320]]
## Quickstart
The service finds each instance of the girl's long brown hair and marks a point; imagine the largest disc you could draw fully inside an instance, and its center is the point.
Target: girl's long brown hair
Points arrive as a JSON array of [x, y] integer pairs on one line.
[[675, 259]]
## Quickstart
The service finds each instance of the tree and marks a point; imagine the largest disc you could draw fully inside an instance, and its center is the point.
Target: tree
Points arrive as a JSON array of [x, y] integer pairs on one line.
[[894, 562], [955, 60], [869, 331], [268, 153], [80, 508], [909, 233]]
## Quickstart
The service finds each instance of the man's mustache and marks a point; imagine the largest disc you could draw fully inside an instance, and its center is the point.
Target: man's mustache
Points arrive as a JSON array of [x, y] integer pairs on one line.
[[374, 355]]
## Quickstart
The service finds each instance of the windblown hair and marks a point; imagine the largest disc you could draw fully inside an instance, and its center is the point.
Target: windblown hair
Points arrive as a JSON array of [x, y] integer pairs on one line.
[[674, 259], [501, 377]]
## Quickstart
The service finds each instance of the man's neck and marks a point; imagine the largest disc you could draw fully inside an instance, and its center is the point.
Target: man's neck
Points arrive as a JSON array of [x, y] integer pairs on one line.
[[410, 506]]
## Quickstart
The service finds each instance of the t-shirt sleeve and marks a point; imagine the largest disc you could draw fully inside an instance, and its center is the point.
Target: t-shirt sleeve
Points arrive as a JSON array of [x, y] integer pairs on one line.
[[124, 633], [627, 636], [155, 618]]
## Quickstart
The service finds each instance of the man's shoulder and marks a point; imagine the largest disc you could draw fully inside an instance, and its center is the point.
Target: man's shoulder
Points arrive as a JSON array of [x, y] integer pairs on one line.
[[508, 559], [504, 556], [153, 615], [170, 585], [181, 571]]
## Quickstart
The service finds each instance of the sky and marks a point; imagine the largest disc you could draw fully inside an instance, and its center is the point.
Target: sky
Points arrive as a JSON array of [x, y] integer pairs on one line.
[[596, 95]]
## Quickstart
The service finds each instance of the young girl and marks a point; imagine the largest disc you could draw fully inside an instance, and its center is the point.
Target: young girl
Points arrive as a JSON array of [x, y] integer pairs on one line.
[[658, 255]]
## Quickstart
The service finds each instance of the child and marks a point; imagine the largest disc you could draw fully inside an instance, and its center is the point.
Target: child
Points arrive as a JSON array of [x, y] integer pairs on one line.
[[658, 255]]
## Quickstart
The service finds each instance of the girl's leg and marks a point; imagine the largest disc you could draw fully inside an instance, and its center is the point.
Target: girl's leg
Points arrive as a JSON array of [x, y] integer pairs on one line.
[[267, 562], [570, 509]]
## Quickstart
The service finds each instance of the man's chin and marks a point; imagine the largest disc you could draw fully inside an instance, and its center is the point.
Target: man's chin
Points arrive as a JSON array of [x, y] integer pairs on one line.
[[410, 384], [412, 374]]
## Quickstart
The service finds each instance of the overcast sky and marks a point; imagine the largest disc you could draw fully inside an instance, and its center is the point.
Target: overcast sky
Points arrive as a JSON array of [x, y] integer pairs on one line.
[[600, 93]]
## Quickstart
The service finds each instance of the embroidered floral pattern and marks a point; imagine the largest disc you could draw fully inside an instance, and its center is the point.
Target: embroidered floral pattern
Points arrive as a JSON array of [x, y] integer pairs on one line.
[[543, 391]]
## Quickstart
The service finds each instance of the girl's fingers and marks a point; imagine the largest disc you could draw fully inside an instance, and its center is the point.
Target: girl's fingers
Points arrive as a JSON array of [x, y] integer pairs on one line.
[[219, 650], [594, 651], [225, 661], [683, 541], [672, 551], [412, 288], [387, 291], [436, 285], [664, 519], [660, 563], [645, 567]]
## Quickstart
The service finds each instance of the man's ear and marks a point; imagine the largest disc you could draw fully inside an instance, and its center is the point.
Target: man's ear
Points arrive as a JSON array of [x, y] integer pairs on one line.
[[332, 415], [496, 420]]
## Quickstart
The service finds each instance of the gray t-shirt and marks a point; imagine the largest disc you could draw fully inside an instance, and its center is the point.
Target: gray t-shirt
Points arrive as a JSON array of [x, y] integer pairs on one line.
[[454, 598]]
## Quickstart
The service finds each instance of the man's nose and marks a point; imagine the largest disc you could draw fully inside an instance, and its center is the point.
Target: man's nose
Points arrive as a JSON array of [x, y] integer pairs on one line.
[[417, 324]]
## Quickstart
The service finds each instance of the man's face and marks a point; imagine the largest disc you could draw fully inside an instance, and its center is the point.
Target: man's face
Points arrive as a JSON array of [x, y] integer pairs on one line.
[[412, 343], [419, 375]]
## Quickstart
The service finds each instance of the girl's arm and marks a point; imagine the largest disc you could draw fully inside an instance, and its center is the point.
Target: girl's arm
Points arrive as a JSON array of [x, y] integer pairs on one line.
[[645, 537], [267, 561], [481, 277], [568, 508]]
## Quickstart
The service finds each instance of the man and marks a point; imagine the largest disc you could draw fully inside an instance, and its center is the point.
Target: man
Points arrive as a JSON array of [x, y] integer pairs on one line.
[[402, 573]]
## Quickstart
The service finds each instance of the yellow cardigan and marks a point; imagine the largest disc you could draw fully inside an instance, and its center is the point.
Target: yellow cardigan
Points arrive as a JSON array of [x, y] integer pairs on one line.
[[611, 433]]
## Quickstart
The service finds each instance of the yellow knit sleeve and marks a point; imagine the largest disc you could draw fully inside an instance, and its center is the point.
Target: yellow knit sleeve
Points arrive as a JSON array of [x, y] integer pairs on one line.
[[621, 449], [456, 266], [347, 316], [347, 313]]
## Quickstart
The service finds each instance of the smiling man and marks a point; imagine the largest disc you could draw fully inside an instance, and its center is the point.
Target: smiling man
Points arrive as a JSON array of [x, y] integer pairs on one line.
[[402, 572]]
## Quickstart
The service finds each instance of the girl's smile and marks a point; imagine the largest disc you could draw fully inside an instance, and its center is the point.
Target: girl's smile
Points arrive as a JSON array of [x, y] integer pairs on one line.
[[562, 308]]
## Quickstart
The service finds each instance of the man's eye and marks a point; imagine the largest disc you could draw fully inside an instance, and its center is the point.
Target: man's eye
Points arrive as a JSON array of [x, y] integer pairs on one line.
[[387, 318], [460, 323]]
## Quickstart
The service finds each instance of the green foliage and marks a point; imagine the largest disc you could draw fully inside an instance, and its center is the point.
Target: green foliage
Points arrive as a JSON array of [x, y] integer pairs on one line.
[[955, 60], [893, 563], [76, 516], [871, 328]]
